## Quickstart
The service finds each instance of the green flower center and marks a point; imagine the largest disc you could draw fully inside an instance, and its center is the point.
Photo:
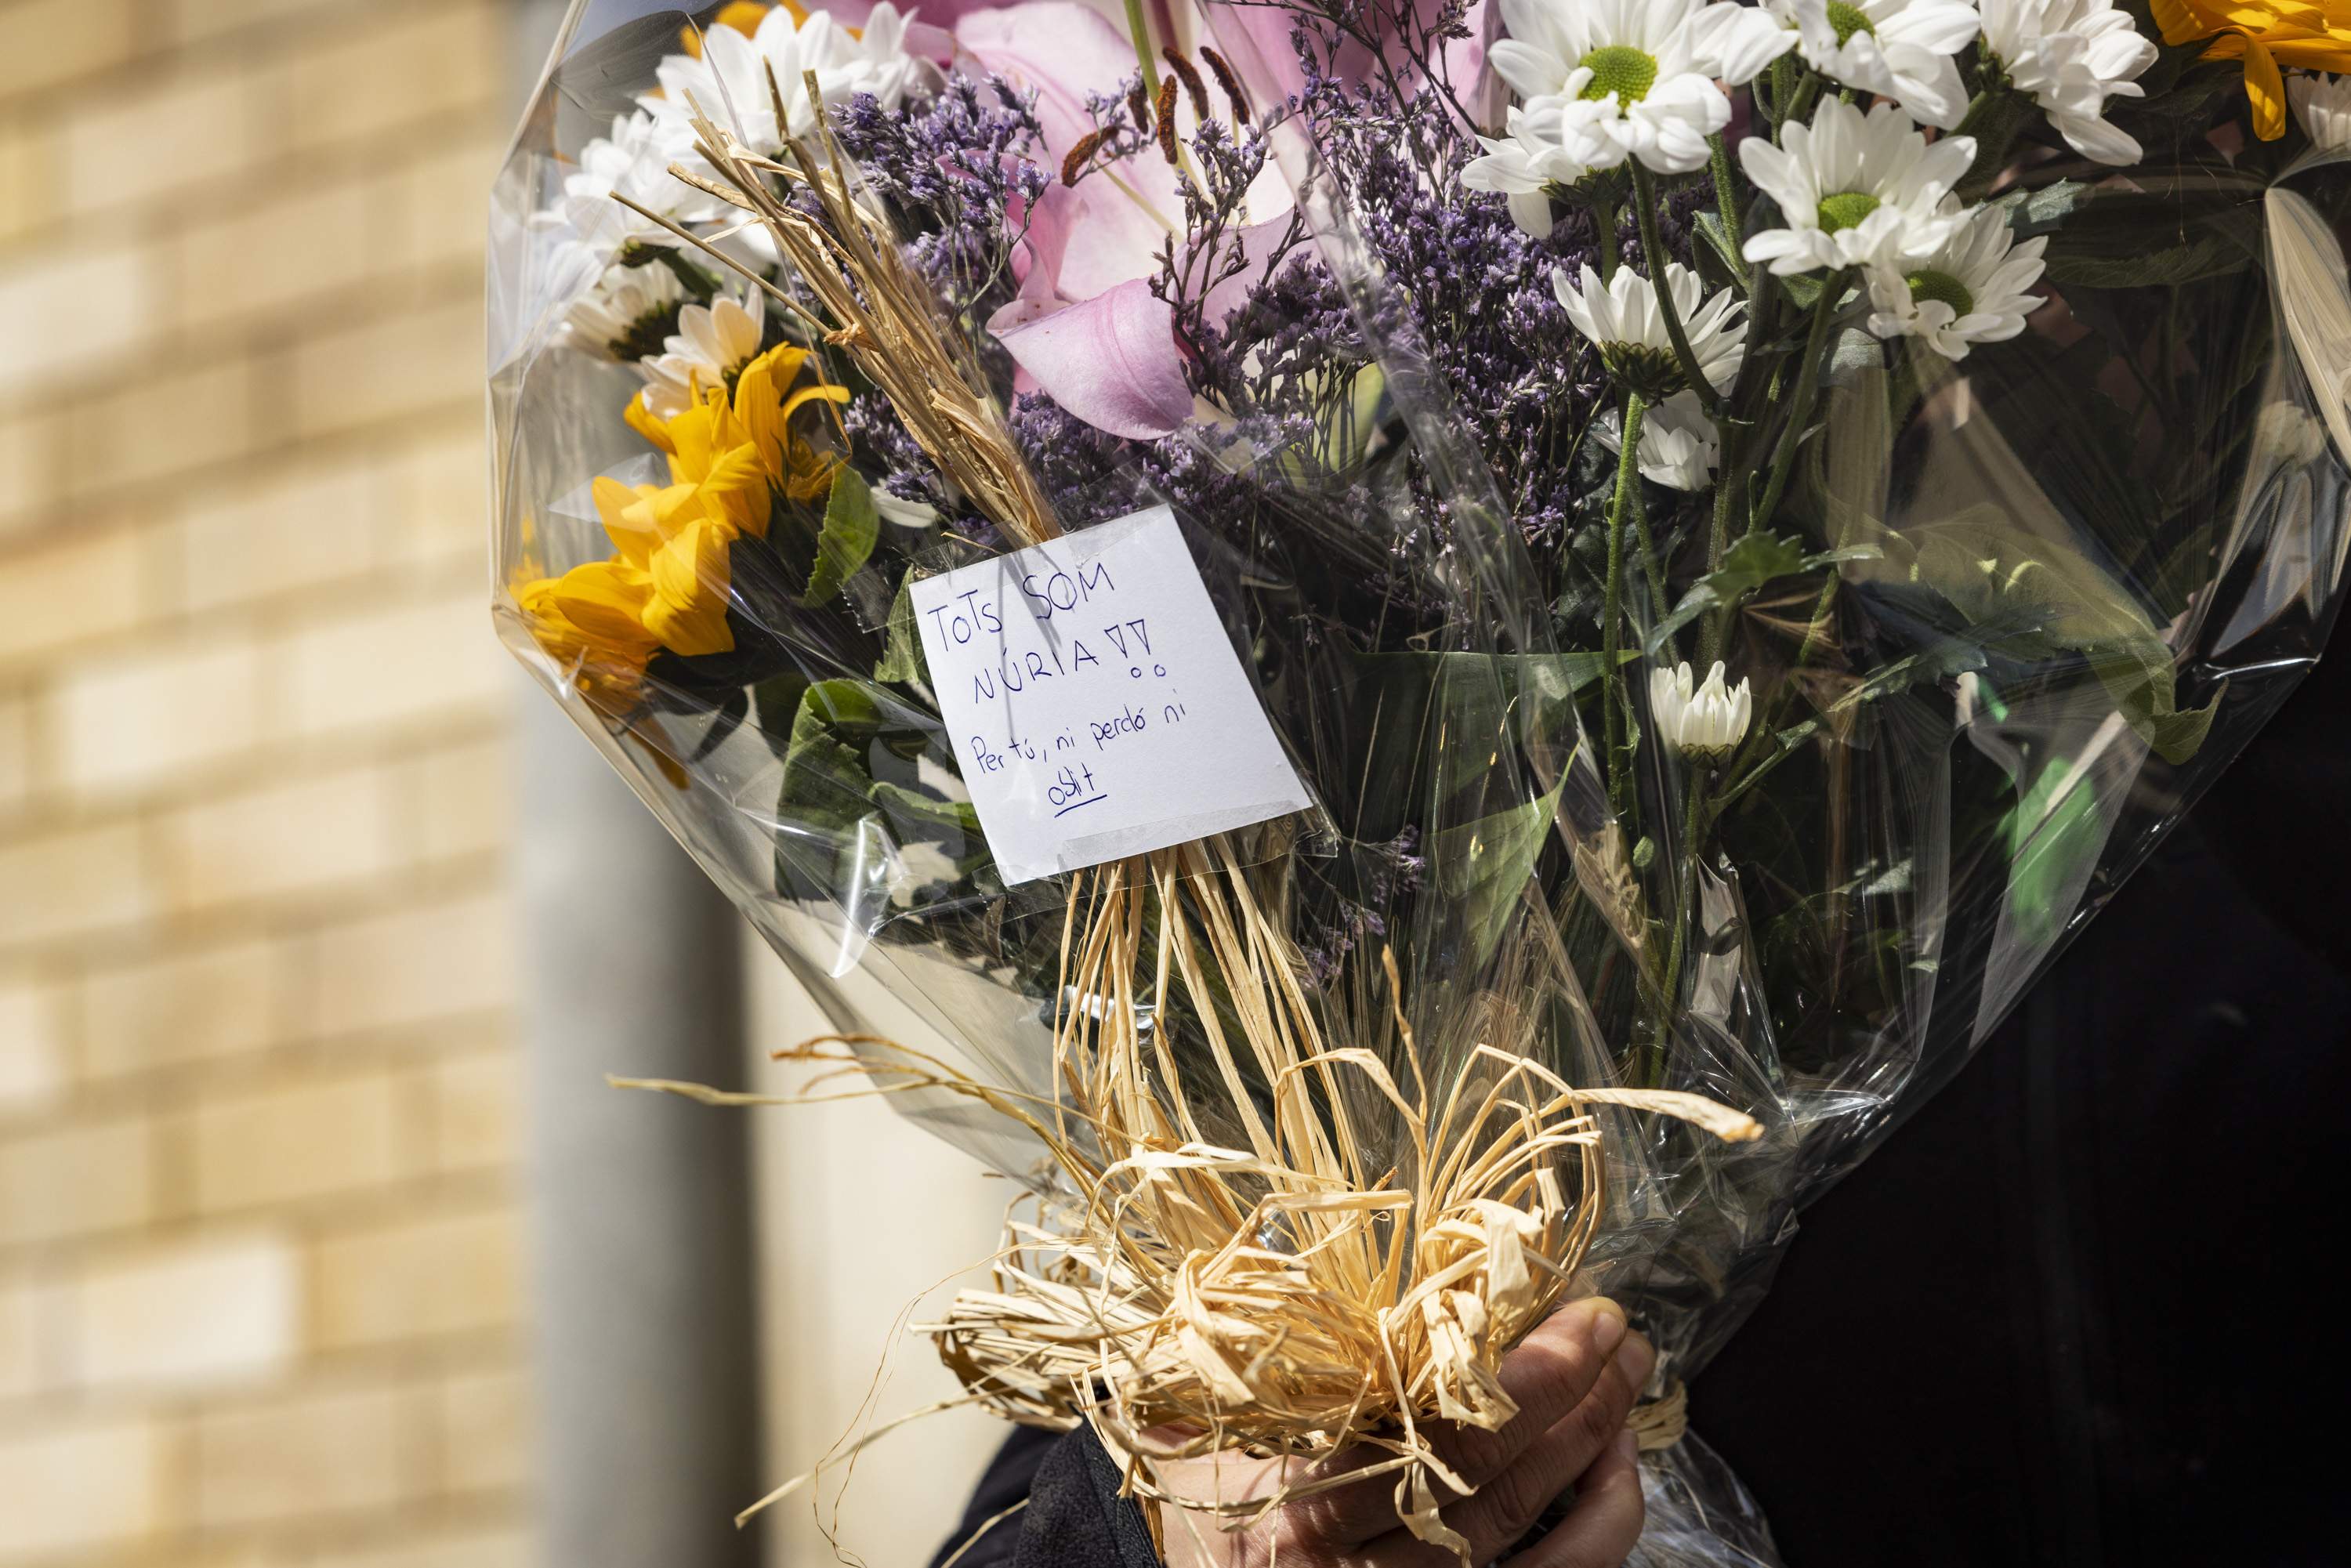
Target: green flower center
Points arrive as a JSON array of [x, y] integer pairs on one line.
[[1620, 69], [1845, 209], [1848, 20], [1942, 287]]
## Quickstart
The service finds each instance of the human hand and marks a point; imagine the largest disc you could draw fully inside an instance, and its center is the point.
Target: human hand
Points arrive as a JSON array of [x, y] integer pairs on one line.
[[1574, 1379]]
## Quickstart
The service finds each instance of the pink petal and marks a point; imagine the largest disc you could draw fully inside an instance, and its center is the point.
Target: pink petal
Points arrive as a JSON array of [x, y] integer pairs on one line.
[[1063, 51], [1256, 38], [1112, 362], [1256, 241], [1059, 49]]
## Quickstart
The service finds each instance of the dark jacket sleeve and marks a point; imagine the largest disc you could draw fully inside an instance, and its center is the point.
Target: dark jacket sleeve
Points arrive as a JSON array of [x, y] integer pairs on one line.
[[1074, 1517]]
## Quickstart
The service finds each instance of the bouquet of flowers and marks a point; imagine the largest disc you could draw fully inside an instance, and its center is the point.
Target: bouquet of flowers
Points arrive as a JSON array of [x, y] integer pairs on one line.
[[1417, 659]]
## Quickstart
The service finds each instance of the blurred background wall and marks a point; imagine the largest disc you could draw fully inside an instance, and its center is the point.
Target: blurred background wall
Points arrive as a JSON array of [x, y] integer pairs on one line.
[[266, 1232]]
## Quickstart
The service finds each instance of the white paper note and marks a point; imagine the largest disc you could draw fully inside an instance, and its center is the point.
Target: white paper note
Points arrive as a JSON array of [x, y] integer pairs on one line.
[[1095, 700]]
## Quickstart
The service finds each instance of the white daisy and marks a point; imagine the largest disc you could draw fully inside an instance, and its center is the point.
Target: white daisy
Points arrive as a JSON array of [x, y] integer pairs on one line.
[[1969, 291], [1701, 722], [633, 162], [1634, 78], [629, 312], [1526, 163], [1679, 448], [1621, 317], [1901, 49], [1853, 189], [2070, 56], [730, 81], [2323, 104], [710, 348]]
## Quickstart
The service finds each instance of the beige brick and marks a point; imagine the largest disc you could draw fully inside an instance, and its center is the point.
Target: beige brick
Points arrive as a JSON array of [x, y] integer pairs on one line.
[[45, 42], [502, 1547], [221, 123], [73, 884], [195, 20], [80, 1488], [163, 424], [72, 315], [320, 1454], [25, 1311], [485, 1433], [432, 663], [190, 1006], [475, 1111], [439, 199], [32, 1049], [451, 1275], [32, 448], [299, 530], [297, 1142], [68, 590], [15, 752], [221, 1311], [27, 187], [435, 961], [153, 717], [405, 363], [441, 494], [295, 249], [302, 835], [74, 1181], [464, 803], [429, 64]]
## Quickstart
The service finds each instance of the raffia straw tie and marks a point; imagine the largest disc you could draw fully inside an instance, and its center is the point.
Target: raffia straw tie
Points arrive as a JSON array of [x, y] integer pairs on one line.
[[1658, 1424]]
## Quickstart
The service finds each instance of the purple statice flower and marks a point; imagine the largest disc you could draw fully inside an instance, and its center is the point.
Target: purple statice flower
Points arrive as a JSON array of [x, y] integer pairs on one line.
[[1479, 290], [1380, 877], [960, 172]]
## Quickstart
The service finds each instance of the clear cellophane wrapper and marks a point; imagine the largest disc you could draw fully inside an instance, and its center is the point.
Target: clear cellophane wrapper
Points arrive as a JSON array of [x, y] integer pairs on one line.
[[2072, 576]]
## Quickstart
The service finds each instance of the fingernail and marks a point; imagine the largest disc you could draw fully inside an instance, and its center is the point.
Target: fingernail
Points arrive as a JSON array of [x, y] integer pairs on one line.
[[1637, 1356], [1608, 1325]]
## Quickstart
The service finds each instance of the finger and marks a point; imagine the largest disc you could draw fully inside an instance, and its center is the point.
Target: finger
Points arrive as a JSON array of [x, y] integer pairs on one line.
[[1601, 1529], [1547, 1376], [1502, 1510]]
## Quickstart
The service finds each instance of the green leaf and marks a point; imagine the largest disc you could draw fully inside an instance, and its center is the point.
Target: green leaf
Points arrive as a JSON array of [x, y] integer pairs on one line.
[[851, 525], [1482, 868], [901, 649], [1752, 560], [1988, 568], [1438, 726], [2169, 226], [2049, 832], [1710, 229], [906, 805]]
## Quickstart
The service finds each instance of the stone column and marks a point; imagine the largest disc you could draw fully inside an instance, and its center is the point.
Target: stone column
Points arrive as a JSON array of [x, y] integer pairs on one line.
[[639, 1205]]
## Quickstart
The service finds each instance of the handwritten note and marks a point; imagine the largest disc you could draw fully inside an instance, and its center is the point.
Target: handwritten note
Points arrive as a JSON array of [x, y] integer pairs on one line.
[[1095, 700]]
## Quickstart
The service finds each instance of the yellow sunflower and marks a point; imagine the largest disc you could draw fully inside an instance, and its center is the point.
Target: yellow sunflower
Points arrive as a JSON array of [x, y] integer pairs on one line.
[[2266, 35], [667, 584]]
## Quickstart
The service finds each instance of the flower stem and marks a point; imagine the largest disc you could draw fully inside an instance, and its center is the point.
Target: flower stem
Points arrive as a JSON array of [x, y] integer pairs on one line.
[[1800, 107], [1612, 614], [1138, 32], [1685, 898], [1800, 409], [1726, 203], [1653, 250], [1604, 230], [1994, 118], [1651, 567]]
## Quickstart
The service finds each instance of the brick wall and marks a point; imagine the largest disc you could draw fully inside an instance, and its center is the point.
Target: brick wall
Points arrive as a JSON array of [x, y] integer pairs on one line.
[[259, 1285]]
